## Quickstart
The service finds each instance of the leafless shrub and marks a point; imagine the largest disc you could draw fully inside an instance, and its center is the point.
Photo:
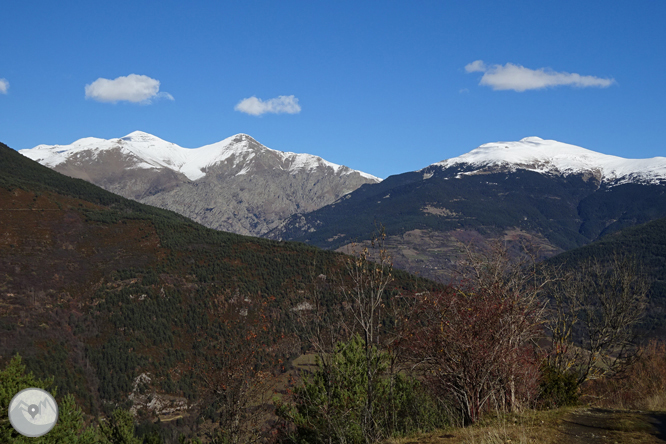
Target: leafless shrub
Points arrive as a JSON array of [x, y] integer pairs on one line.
[[229, 373], [642, 386], [592, 318], [363, 288], [475, 344]]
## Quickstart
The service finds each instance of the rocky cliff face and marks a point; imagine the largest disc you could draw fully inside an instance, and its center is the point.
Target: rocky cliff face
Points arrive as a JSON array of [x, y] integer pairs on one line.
[[235, 185], [256, 202]]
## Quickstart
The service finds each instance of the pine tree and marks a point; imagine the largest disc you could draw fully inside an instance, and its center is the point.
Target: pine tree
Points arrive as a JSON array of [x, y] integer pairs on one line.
[[119, 429], [70, 428]]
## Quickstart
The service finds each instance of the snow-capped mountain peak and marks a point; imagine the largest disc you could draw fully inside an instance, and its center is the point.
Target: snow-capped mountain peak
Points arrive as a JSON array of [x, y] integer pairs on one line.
[[140, 136], [236, 184], [553, 157], [149, 151]]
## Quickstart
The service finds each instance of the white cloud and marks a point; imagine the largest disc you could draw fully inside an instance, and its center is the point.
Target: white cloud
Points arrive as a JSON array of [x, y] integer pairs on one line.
[[4, 86], [132, 88], [518, 78], [476, 66], [280, 104]]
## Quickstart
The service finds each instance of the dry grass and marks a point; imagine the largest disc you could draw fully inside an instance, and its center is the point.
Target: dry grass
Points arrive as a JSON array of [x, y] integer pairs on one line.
[[639, 397], [527, 427], [642, 387], [580, 425]]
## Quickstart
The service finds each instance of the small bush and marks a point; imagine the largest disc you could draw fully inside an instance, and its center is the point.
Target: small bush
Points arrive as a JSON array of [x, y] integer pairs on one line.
[[557, 388]]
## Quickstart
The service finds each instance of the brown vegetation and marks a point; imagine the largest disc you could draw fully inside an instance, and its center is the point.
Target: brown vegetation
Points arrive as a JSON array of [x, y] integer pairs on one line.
[[474, 344], [642, 386], [594, 312]]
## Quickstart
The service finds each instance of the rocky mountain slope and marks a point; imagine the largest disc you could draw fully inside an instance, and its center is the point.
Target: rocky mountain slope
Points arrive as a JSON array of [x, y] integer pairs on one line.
[[235, 185], [553, 194]]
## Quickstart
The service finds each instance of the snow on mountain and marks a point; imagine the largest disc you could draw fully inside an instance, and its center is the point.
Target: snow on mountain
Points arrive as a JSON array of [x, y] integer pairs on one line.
[[553, 157], [152, 152]]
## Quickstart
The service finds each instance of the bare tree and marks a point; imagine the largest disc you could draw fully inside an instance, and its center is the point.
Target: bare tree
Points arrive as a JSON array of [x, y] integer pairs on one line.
[[362, 289], [494, 266], [320, 320], [475, 350], [476, 342], [228, 369], [365, 296], [516, 276], [593, 314]]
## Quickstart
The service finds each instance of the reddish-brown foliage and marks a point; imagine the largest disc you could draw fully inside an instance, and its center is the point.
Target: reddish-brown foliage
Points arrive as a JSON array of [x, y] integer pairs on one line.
[[475, 348]]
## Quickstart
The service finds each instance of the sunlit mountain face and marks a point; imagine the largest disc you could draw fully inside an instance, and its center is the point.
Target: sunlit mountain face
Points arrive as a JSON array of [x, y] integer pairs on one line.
[[235, 185]]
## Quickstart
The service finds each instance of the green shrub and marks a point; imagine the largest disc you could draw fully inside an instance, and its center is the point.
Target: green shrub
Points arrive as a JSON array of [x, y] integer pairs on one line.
[[70, 427], [329, 405], [557, 388]]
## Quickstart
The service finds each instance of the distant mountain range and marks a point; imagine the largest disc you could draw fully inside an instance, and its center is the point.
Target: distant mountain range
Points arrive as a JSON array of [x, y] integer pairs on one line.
[[236, 185], [557, 195]]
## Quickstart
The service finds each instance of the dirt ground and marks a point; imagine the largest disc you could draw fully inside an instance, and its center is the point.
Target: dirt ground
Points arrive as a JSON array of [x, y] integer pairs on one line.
[[611, 426]]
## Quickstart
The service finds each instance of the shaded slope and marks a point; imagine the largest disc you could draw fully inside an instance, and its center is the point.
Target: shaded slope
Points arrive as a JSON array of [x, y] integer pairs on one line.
[[493, 201], [568, 211]]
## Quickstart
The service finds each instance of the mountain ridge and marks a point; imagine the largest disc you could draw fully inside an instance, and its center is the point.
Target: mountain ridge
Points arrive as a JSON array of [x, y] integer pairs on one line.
[[432, 213], [551, 156], [236, 185], [561, 194], [192, 162]]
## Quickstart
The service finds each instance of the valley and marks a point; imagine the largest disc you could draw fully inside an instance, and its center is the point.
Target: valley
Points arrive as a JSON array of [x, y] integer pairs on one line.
[[555, 195], [297, 222]]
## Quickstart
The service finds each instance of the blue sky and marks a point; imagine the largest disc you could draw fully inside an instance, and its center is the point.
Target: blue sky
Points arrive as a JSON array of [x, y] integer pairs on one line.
[[381, 86]]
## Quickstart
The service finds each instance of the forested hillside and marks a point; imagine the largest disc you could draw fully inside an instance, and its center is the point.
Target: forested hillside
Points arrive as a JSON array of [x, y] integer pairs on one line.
[[431, 213], [97, 290]]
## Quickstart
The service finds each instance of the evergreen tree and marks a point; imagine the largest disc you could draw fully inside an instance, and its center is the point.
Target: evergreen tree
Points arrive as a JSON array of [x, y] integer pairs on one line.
[[70, 428], [329, 406], [119, 429]]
